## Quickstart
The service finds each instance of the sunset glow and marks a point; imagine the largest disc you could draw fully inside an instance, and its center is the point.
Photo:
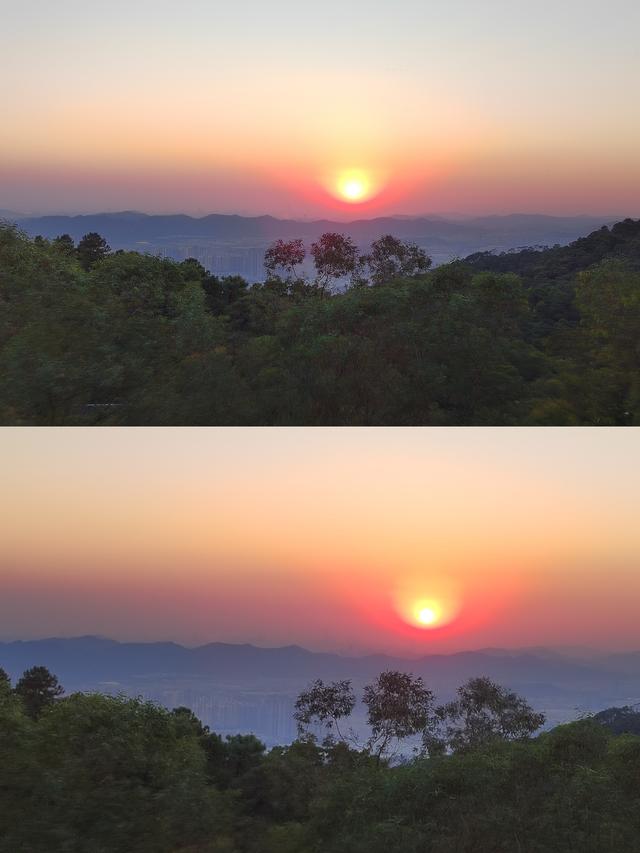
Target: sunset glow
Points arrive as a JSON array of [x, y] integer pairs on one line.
[[428, 611], [411, 541], [320, 396], [293, 93], [354, 186]]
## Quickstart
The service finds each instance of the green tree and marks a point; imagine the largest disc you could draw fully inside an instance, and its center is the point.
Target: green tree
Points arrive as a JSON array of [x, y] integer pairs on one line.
[[92, 248], [334, 256], [623, 761], [391, 258], [192, 270], [64, 243], [324, 705], [608, 297], [38, 689], [485, 711], [222, 293], [20, 773], [495, 340], [120, 774], [398, 706], [580, 743], [5, 683]]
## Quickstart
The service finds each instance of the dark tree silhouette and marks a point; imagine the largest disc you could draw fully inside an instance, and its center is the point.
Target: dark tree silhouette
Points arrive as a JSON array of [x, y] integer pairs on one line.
[[334, 256], [5, 682], [65, 244], [485, 711], [398, 706], [92, 248], [38, 689], [324, 704], [393, 258]]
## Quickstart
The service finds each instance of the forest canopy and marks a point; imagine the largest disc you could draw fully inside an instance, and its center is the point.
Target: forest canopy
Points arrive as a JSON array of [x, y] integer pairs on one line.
[[88, 772], [93, 336]]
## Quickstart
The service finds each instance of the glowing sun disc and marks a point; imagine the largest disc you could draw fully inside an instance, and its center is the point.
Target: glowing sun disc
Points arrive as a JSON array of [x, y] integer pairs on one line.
[[426, 613], [353, 189], [427, 601], [427, 616], [354, 185]]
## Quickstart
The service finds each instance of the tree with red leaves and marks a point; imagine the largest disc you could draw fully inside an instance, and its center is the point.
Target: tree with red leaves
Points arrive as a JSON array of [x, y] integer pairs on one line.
[[284, 255]]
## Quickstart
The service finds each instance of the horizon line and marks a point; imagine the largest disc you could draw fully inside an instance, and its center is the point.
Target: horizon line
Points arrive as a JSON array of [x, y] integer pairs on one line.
[[563, 649], [450, 216]]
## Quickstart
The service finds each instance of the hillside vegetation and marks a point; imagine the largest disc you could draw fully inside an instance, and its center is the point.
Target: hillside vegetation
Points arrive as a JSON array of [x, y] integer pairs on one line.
[[89, 773], [89, 336]]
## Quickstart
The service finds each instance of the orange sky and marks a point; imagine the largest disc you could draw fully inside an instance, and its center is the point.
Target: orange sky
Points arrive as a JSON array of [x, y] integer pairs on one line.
[[256, 108], [327, 537]]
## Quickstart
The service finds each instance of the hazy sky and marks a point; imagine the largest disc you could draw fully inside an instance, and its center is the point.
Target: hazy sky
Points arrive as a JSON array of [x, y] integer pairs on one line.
[[331, 538], [254, 107]]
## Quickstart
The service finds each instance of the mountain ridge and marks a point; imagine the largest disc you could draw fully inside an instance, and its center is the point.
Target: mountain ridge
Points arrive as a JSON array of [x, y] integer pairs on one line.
[[240, 687], [80, 657], [126, 229]]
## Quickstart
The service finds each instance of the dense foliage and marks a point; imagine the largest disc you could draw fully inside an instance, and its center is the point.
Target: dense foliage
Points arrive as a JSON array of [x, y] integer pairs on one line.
[[101, 774], [89, 336]]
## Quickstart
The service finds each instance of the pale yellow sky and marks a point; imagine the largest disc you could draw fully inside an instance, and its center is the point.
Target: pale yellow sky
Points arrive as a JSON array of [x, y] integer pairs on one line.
[[464, 106]]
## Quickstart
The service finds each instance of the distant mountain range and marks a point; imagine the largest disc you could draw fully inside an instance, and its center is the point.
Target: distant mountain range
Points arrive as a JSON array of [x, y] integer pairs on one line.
[[240, 687], [442, 237], [93, 659]]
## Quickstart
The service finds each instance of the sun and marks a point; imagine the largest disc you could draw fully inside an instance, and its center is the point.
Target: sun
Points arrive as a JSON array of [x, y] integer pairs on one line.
[[354, 185], [353, 189], [427, 615], [428, 600]]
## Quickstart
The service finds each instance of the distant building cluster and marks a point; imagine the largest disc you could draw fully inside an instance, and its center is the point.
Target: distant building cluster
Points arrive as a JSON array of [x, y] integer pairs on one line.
[[222, 260], [267, 715]]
